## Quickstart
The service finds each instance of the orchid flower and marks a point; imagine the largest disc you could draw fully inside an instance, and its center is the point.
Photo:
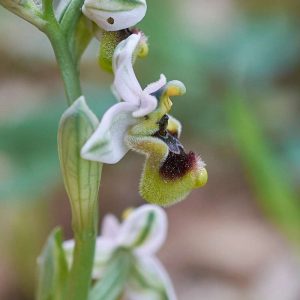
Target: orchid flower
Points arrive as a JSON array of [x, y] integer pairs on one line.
[[107, 144], [142, 233], [140, 121], [113, 15]]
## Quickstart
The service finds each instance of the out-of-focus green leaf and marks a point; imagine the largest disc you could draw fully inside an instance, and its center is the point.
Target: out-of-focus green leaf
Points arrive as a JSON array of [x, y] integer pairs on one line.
[[53, 269], [260, 48], [291, 151], [264, 170]]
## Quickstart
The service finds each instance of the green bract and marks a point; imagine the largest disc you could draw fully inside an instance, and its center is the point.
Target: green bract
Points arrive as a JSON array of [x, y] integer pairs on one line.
[[53, 269], [81, 177]]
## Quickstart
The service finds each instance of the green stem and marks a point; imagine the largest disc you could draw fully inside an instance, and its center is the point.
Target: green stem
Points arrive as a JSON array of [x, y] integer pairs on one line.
[[79, 281], [68, 68]]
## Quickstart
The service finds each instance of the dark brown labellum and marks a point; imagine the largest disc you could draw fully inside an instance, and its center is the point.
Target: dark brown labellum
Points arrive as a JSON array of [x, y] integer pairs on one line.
[[177, 163]]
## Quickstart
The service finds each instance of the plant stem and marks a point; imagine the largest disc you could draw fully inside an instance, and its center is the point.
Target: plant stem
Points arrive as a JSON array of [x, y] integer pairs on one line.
[[68, 68], [79, 281], [83, 259]]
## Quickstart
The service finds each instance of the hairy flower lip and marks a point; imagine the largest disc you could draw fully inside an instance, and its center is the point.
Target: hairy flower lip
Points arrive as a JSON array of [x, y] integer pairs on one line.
[[176, 165]]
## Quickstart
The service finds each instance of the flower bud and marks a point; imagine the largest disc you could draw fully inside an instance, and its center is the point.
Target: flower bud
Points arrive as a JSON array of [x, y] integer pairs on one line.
[[113, 15]]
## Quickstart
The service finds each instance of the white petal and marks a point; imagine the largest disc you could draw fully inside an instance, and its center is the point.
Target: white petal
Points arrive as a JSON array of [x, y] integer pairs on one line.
[[156, 283], [147, 105], [157, 85], [113, 15], [148, 102], [110, 226], [104, 249], [145, 229], [107, 143], [125, 84], [125, 50]]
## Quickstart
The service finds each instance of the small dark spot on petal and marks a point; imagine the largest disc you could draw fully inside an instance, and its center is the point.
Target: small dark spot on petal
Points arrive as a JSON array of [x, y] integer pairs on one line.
[[110, 20]]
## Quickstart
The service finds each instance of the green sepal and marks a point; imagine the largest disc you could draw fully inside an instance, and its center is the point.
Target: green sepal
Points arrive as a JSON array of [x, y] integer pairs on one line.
[[53, 269], [81, 177], [109, 42], [112, 284]]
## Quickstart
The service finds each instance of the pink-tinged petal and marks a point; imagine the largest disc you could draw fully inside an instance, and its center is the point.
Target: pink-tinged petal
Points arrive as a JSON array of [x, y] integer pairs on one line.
[[125, 84], [110, 226], [152, 281], [157, 85], [107, 143], [144, 230]]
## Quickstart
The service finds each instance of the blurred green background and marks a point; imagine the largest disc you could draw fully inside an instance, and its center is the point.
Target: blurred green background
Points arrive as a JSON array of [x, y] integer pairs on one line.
[[238, 237]]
